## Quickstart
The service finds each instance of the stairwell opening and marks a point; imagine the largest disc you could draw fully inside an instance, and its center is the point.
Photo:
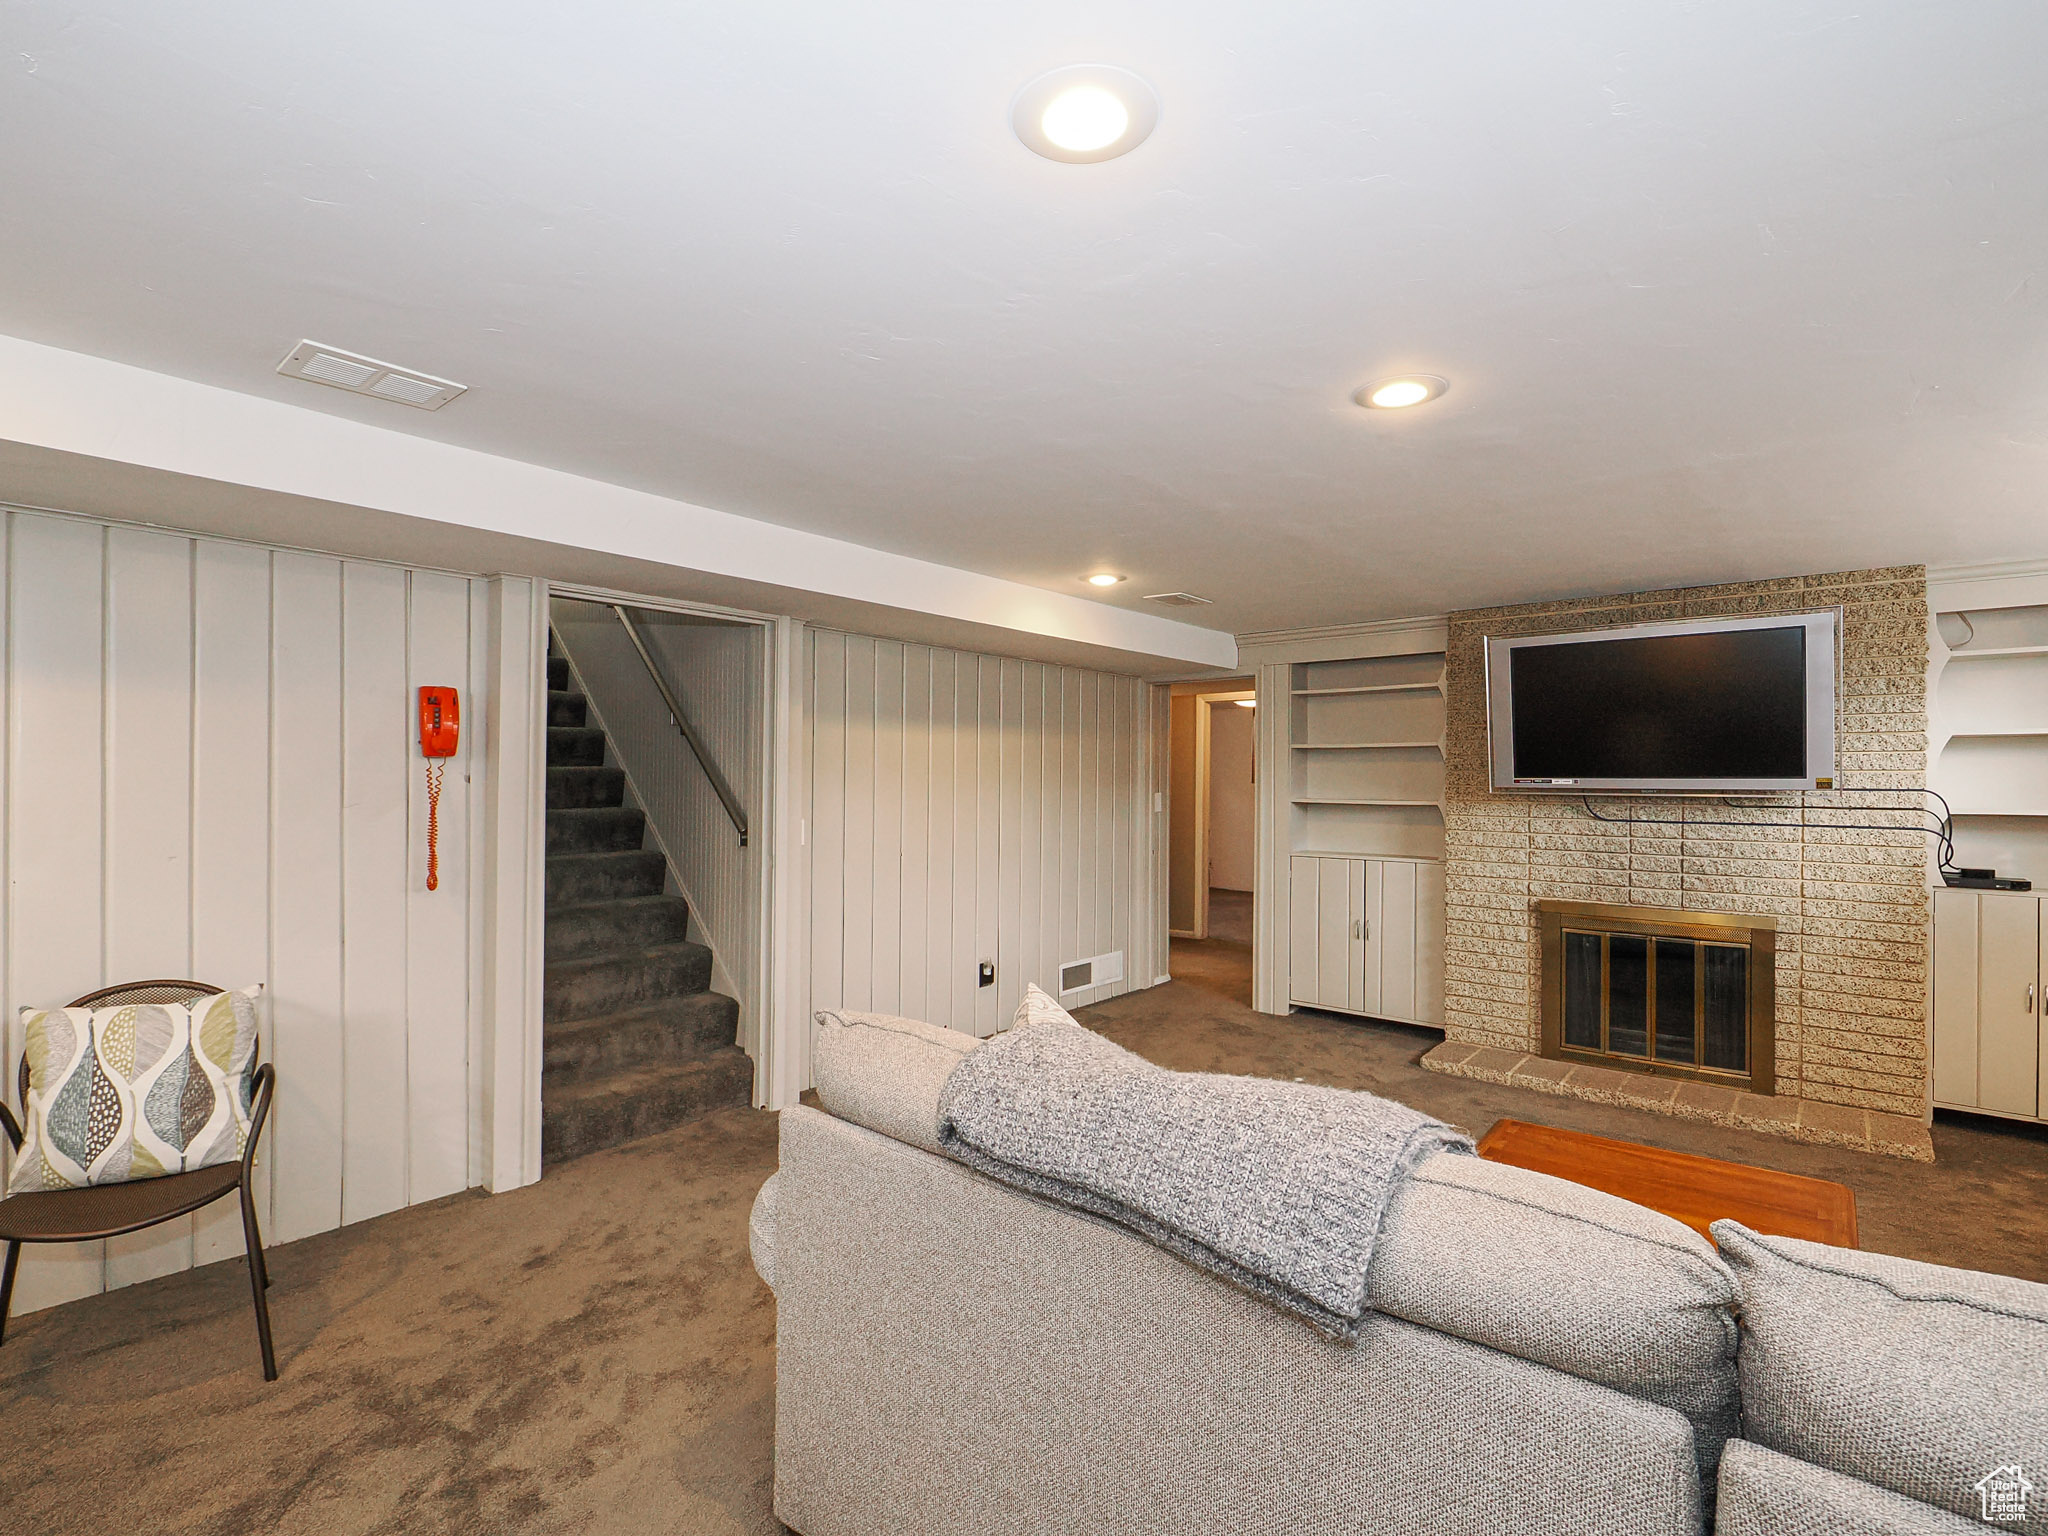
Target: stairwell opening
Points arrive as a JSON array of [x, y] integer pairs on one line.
[[656, 741]]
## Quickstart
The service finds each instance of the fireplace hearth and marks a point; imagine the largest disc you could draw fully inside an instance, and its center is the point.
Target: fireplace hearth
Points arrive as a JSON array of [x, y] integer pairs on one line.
[[1660, 990]]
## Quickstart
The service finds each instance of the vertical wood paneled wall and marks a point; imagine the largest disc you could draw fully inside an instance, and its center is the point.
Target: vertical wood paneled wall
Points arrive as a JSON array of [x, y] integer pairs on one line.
[[967, 807], [212, 771], [715, 670]]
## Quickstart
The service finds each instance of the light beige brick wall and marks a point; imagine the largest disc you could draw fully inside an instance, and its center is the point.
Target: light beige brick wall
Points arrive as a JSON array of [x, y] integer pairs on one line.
[[1852, 905]]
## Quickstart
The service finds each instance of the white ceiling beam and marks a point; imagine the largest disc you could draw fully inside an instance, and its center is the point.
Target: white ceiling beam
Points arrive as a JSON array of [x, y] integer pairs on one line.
[[70, 403]]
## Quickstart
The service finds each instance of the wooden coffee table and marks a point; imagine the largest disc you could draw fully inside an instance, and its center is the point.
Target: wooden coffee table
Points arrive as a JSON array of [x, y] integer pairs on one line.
[[1694, 1190]]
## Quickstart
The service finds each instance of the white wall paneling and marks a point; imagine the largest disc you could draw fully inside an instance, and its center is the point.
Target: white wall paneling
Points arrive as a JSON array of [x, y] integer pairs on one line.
[[513, 842], [441, 971], [783, 1066], [212, 771], [1159, 703], [56, 828], [967, 808], [148, 688]]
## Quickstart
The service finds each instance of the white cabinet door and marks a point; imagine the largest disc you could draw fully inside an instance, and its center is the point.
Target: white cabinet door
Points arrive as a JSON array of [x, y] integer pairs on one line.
[[1335, 923], [1955, 998], [1396, 930], [1304, 930], [1366, 936], [2009, 1004], [1365, 930]]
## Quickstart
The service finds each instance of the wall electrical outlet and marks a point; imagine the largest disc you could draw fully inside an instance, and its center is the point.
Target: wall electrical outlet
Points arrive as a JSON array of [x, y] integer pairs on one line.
[[988, 973]]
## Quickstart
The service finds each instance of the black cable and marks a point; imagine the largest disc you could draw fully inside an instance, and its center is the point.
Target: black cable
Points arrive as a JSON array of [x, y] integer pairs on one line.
[[1942, 829], [1946, 822]]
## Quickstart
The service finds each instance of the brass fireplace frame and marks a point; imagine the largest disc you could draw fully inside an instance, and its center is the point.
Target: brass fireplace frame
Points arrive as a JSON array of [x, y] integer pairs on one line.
[[1758, 932]]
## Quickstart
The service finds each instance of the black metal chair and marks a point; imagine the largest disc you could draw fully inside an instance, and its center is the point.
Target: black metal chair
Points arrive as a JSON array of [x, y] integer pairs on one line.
[[108, 1210]]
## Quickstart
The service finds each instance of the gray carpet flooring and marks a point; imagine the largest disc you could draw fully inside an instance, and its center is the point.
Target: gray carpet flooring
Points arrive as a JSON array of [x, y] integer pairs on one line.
[[595, 1354]]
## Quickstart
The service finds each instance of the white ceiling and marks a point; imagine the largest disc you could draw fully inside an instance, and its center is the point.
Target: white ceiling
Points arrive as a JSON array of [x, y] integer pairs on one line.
[[1723, 290]]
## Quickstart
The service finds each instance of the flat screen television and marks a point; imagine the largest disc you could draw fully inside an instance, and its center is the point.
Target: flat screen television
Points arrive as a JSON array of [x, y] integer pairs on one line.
[[1704, 706]]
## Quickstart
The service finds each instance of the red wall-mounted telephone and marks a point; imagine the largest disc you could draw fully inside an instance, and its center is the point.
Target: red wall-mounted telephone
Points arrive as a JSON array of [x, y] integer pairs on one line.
[[440, 722], [440, 739]]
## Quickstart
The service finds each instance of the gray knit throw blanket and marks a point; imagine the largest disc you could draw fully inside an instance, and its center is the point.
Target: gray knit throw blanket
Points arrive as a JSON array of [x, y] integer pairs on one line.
[[1277, 1187]]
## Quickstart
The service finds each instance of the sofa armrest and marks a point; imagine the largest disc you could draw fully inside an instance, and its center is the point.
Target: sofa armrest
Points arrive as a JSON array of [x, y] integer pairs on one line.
[[761, 1231]]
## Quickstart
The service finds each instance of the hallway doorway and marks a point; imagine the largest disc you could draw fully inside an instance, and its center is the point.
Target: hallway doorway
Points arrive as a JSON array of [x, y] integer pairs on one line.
[[1221, 963], [1211, 839]]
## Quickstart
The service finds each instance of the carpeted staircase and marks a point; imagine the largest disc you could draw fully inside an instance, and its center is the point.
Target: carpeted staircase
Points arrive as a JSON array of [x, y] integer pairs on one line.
[[635, 1042]]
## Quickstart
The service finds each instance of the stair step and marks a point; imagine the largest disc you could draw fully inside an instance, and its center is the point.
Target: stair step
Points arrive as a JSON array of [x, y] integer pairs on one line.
[[566, 708], [601, 984], [575, 746], [613, 927], [607, 829], [558, 673], [660, 1034], [587, 1117], [576, 878], [581, 789]]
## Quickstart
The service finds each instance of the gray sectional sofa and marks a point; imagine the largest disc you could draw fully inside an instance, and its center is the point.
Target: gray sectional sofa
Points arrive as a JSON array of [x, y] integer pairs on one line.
[[955, 1357]]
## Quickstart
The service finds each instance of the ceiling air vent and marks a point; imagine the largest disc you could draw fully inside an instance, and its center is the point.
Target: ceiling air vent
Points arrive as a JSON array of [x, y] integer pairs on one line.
[[366, 376], [1177, 599]]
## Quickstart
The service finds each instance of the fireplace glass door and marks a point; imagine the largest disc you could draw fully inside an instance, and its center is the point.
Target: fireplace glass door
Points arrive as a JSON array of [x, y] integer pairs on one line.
[[1676, 1001]]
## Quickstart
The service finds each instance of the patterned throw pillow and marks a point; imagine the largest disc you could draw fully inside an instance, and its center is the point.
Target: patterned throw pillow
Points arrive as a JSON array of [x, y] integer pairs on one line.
[[1039, 1008], [135, 1092]]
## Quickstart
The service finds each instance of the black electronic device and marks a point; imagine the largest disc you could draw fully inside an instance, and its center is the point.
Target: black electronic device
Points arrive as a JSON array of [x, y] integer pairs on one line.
[[1983, 880]]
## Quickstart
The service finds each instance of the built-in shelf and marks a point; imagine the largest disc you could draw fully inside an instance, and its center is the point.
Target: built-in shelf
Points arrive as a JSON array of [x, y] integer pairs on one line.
[[1323, 693], [1362, 746], [1360, 779], [1332, 800], [1989, 733]]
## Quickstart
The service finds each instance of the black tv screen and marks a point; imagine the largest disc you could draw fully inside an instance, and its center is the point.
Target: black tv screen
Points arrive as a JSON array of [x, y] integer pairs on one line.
[[1700, 705], [1715, 706]]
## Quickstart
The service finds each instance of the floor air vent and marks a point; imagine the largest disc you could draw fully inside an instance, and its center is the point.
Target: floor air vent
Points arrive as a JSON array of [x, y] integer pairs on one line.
[[1095, 971]]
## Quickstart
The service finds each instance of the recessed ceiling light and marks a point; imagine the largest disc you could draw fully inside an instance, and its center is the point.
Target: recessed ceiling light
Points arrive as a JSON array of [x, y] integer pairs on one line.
[[1246, 703], [1104, 579], [1085, 113], [1398, 394]]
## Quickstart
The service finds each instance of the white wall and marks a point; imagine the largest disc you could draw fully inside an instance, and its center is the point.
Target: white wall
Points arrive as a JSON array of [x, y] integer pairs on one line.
[[715, 670], [965, 807], [1232, 813], [211, 770]]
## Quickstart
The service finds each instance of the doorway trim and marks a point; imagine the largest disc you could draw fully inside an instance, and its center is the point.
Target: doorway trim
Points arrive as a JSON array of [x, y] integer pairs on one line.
[[781, 908]]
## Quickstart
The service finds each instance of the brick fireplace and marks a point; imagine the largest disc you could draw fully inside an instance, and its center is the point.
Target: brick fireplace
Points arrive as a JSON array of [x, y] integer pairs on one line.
[[1847, 908]]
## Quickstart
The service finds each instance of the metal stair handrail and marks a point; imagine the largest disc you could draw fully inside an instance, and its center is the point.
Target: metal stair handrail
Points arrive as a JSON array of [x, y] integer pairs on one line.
[[680, 717]]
